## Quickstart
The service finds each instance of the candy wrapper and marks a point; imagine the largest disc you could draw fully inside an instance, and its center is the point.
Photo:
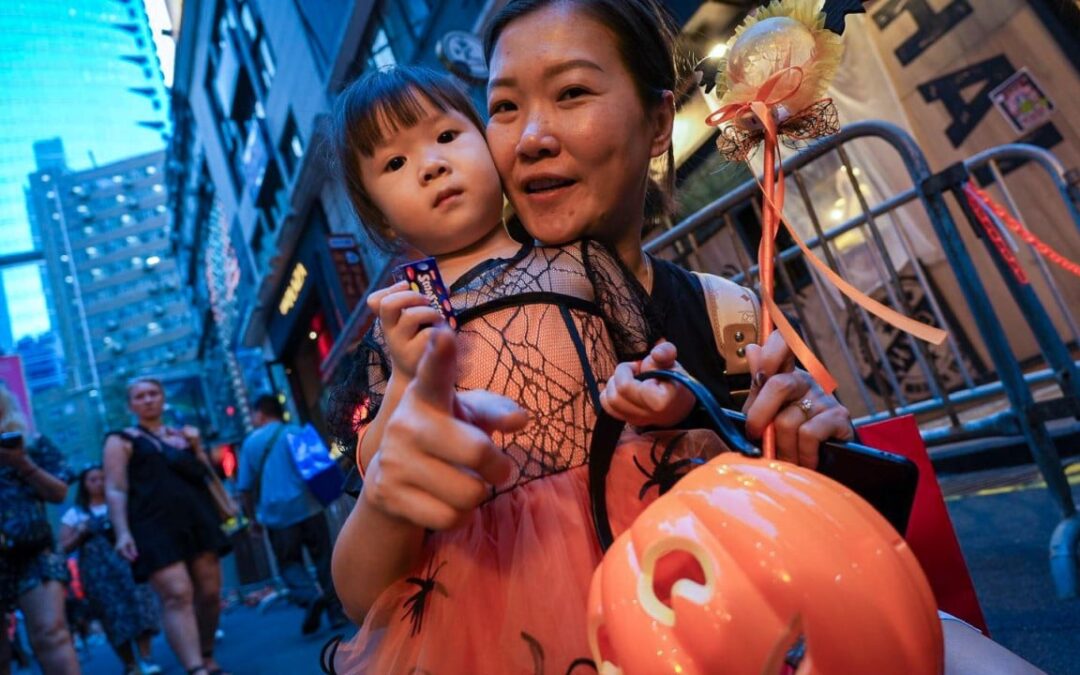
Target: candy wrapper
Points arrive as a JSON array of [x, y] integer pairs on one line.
[[423, 277]]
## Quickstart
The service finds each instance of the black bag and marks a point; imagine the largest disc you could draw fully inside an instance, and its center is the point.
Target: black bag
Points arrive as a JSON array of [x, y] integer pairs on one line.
[[24, 529], [886, 480]]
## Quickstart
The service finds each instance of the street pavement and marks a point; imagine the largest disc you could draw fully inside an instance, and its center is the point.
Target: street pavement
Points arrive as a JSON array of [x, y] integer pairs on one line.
[[254, 643], [1004, 519], [1004, 529]]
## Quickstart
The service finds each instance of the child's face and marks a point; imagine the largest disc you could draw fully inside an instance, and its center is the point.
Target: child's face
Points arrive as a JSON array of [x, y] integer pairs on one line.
[[435, 183]]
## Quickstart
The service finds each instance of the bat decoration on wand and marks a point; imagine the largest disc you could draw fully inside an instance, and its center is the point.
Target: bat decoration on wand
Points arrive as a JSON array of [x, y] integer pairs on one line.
[[771, 79], [836, 12]]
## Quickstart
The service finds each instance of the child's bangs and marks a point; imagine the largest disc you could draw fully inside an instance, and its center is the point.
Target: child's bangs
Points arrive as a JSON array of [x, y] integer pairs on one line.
[[393, 111]]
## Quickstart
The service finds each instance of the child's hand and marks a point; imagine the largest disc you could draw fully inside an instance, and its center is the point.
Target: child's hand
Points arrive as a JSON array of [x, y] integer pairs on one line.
[[652, 402], [437, 462], [406, 317]]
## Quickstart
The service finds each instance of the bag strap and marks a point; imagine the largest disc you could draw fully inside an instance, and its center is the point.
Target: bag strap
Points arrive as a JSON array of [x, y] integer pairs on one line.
[[257, 492], [606, 437], [735, 317]]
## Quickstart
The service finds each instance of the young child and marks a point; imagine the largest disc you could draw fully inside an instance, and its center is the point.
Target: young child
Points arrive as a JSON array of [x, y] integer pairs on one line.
[[458, 565]]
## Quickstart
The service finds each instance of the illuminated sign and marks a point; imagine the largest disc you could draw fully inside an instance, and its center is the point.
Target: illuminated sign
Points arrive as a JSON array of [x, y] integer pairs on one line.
[[292, 291]]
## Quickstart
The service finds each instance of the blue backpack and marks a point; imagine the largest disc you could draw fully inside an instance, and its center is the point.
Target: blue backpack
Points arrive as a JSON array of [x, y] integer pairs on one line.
[[316, 467]]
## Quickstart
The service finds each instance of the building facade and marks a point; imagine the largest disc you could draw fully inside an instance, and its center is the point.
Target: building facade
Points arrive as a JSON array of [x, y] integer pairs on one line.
[[85, 72], [43, 362], [111, 268]]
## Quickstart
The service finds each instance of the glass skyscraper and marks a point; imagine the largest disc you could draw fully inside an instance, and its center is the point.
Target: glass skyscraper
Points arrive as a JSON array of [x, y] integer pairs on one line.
[[86, 72]]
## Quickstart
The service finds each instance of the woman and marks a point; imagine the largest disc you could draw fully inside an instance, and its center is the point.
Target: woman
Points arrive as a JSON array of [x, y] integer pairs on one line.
[[127, 610], [32, 574], [574, 134], [166, 524], [576, 120]]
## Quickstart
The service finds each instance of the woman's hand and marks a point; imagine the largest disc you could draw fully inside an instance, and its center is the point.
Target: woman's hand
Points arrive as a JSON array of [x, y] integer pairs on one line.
[[406, 316], [801, 412], [125, 546], [652, 402], [437, 462], [16, 457]]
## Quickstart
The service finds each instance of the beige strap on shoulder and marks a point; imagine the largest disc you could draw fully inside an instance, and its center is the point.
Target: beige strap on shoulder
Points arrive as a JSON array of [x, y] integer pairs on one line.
[[734, 312]]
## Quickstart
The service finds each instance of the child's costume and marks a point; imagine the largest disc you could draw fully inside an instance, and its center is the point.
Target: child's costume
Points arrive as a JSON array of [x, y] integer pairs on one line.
[[506, 592]]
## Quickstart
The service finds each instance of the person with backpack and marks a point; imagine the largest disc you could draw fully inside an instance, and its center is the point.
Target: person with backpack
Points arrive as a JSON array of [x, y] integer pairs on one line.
[[276, 497]]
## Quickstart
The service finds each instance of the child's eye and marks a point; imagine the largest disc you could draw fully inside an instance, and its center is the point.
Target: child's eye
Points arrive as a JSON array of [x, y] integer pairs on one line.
[[447, 136], [395, 163], [500, 107]]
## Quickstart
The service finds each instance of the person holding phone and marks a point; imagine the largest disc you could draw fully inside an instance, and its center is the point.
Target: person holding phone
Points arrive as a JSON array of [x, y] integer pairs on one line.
[[32, 573], [166, 523]]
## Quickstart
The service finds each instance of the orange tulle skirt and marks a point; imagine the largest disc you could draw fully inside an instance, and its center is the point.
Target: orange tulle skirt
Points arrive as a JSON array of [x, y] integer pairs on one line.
[[506, 592]]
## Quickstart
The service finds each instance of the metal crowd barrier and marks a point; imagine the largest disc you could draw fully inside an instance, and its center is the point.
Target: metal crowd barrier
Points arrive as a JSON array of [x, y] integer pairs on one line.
[[951, 379]]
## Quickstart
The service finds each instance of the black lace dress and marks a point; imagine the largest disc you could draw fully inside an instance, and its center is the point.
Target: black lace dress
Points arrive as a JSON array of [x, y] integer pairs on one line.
[[506, 592]]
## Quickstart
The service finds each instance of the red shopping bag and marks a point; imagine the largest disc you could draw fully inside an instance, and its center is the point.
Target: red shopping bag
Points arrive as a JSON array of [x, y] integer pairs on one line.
[[930, 532]]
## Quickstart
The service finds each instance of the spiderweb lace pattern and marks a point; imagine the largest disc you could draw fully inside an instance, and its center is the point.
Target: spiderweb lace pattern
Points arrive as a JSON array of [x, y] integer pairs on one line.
[[537, 328]]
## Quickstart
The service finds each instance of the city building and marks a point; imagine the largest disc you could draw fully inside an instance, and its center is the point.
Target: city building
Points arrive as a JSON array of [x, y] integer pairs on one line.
[[123, 310], [86, 72], [43, 363], [6, 341]]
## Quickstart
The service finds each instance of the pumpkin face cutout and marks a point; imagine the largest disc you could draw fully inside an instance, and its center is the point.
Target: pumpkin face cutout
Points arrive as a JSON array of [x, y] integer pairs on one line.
[[755, 566]]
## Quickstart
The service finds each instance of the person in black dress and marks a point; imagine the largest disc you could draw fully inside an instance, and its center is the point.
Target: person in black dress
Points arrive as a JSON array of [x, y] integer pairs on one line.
[[166, 523]]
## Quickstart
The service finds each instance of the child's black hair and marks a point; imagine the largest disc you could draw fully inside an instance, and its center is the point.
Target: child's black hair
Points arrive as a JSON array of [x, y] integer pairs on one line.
[[376, 105]]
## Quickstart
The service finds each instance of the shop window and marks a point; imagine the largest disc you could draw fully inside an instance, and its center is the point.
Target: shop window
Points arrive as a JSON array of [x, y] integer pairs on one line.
[[291, 145], [264, 59], [273, 199]]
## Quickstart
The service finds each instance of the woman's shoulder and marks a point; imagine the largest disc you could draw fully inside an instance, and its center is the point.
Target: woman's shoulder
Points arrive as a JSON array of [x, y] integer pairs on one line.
[[128, 434]]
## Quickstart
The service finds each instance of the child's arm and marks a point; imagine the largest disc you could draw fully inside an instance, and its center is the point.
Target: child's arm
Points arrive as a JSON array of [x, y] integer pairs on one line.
[[436, 463], [652, 402]]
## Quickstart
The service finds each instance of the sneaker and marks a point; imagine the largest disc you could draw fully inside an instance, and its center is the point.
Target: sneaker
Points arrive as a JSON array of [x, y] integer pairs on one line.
[[149, 668], [313, 616]]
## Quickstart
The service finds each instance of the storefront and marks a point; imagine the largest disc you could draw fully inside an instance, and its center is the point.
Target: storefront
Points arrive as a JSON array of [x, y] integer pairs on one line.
[[323, 281]]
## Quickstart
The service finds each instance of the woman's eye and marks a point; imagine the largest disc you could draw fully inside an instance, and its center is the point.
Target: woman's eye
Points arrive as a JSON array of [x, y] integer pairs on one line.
[[573, 92], [447, 136], [500, 107], [395, 163]]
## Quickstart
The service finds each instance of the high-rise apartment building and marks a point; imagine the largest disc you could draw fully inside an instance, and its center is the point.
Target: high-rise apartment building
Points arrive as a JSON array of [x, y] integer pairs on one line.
[[123, 310], [88, 73], [42, 362]]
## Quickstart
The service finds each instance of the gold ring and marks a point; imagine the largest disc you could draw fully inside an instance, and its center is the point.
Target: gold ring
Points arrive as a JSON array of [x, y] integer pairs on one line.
[[806, 406]]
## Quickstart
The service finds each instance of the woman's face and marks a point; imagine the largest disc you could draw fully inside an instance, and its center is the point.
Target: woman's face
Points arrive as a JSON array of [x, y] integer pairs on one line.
[[146, 400], [95, 482], [570, 136]]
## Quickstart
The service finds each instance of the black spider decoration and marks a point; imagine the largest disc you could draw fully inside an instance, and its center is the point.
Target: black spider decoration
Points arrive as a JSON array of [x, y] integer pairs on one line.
[[665, 472], [414, 605]]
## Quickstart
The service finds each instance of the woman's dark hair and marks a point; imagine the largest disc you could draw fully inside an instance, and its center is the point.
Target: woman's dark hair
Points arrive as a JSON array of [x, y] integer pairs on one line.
[[645, 38], [377, 105], [82, 496]]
